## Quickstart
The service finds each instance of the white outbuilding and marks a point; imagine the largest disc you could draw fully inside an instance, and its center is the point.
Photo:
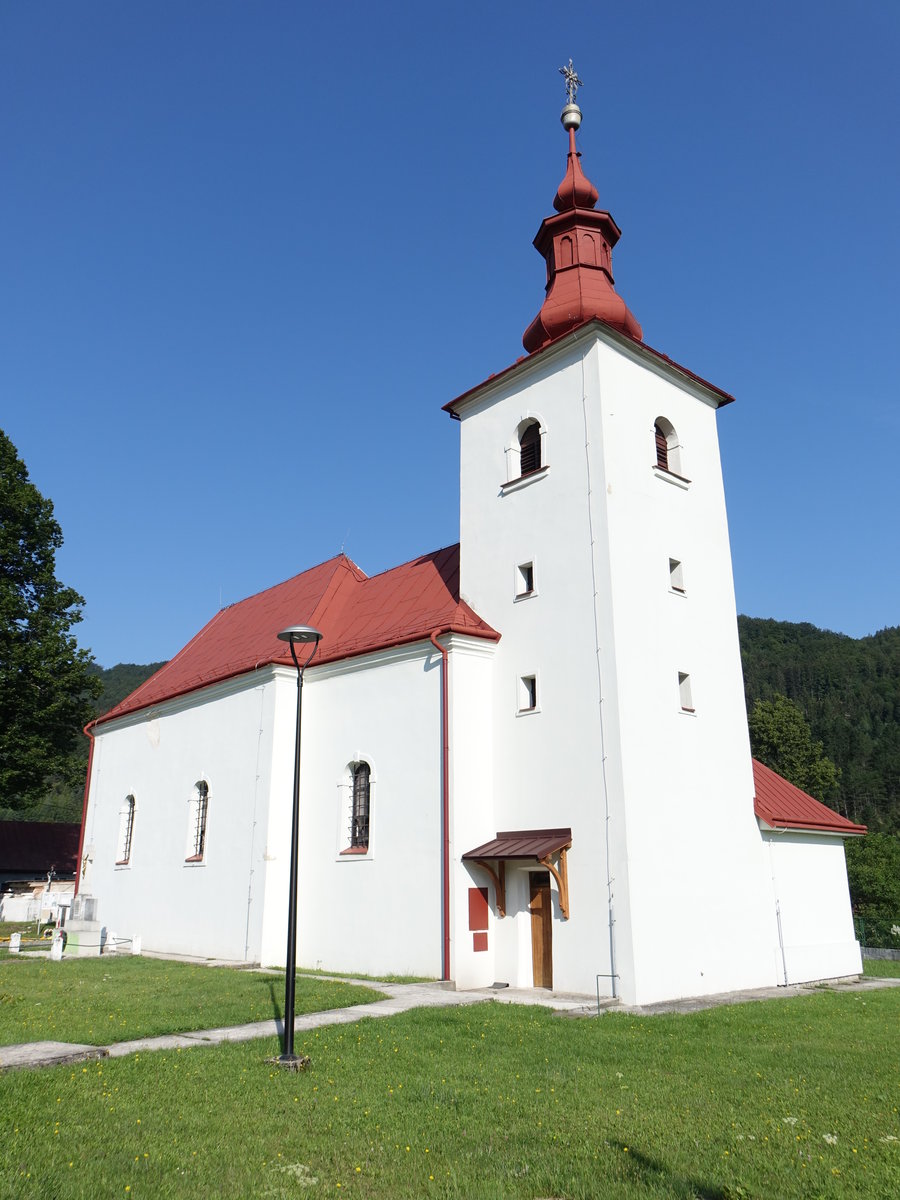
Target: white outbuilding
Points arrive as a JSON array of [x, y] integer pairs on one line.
[[525, 757]]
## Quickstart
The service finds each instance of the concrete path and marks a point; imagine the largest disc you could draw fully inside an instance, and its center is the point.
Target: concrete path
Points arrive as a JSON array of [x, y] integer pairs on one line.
[[400, 998]]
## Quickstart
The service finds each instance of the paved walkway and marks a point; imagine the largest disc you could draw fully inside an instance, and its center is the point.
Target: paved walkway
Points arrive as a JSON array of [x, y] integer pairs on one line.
[[400, 998]]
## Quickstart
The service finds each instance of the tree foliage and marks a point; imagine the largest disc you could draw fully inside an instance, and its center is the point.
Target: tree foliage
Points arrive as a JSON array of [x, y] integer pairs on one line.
[[47, 690], [848, 689], [873, 870], [781, 738]]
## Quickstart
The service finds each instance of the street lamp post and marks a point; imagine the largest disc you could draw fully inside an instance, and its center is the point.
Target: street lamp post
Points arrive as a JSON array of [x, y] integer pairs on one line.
[[295, 635]]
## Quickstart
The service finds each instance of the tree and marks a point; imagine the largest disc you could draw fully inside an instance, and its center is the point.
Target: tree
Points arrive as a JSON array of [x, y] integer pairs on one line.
[[849, 691], [46, 687], [873, 869], [781, 738]]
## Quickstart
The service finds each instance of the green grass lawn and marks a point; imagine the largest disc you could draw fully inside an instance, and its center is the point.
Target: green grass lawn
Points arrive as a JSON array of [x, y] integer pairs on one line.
[[368, 978], [881, 968], [795, 1097], [115, 999]]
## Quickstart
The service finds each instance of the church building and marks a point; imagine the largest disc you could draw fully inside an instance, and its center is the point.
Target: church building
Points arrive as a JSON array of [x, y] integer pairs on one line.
[[525, 757]]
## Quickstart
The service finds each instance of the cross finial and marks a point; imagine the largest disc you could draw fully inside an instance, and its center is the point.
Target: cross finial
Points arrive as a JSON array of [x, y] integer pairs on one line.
[[573, 83]]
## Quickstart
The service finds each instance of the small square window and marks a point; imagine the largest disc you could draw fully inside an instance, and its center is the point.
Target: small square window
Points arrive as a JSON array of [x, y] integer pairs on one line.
[[524, 579], [527, 693], [684, 692], [676, 576]]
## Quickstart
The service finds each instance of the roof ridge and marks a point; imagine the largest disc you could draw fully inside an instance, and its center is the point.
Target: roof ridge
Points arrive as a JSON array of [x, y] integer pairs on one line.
[[341, 586], [412, 561], [337, 559]]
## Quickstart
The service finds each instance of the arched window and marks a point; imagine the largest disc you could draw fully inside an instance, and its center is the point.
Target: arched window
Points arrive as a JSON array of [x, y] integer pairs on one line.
[[359, 815], [198, 812], [668, 447], [530, 448], [126, 830]]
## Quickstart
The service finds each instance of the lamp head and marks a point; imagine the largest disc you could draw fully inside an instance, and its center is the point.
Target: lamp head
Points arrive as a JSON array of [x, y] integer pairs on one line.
[[300, 633]]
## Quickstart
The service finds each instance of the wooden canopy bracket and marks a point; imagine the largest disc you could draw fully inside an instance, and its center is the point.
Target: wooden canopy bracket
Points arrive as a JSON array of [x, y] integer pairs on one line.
[[562, 879], [499, 878]]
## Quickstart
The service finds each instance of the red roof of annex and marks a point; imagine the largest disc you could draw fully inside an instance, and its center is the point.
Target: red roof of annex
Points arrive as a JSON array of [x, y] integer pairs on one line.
[[783, 806], [356, 614]]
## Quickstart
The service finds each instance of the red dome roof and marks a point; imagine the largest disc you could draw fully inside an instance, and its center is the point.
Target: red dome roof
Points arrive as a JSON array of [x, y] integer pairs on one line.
[[577, 245]]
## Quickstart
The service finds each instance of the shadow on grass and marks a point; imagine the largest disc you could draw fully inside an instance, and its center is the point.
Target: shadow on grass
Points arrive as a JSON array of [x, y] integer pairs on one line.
[[644, 1169], [276, 1012]]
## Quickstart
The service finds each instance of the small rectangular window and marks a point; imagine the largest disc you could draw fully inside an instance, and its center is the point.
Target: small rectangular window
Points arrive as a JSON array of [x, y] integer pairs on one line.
[[684, 692], [527, 693], [524, 579], [676, 576]]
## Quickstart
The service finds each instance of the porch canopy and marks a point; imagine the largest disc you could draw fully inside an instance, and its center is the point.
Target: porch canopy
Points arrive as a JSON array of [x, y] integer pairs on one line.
[[537, 844]]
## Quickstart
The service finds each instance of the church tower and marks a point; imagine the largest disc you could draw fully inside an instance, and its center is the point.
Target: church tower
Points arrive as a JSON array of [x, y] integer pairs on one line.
[[594, 539]]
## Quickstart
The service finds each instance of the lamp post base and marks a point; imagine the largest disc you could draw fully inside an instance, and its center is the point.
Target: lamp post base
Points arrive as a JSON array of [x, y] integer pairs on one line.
[[291, 1062]]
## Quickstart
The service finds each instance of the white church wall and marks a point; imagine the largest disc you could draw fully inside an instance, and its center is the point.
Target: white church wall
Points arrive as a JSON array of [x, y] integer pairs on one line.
[[473, 944], [547, 762], [809, 880], [214, 907], [380, 911], [700, 923]]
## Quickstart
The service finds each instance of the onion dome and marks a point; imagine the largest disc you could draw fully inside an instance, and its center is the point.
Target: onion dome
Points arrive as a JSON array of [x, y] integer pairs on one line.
[[577, 246]]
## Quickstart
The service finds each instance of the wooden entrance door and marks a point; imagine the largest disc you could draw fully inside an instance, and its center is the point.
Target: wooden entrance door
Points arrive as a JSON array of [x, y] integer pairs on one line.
[[541, 929]]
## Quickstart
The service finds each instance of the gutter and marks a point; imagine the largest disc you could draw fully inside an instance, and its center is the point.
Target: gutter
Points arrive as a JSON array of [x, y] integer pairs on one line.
[[84, 808], [445, 803]]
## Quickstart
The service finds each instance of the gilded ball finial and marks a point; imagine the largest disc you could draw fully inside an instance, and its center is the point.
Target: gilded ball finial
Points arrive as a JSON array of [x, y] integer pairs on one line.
[[571, 114]]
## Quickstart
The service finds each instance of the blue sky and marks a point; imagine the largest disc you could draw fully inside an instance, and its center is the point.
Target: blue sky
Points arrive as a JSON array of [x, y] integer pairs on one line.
[[250, 249]]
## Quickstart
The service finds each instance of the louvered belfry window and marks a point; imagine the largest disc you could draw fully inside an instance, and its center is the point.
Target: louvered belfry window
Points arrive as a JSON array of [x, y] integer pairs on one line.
[[359, 820], [530, 449], [662, 449]]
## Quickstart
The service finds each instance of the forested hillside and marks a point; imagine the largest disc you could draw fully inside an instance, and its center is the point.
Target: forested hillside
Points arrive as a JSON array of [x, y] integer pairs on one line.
[[849, 692], [120, 681]]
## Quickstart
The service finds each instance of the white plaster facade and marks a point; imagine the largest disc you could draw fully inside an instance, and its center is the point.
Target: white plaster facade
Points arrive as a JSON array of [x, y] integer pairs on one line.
[[816, 939], [223, 735]]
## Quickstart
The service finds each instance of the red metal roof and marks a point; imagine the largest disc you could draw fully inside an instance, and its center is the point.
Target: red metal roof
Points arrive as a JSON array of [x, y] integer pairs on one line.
[[783, 806], [523, 843], [355, 613], [39, 845]]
